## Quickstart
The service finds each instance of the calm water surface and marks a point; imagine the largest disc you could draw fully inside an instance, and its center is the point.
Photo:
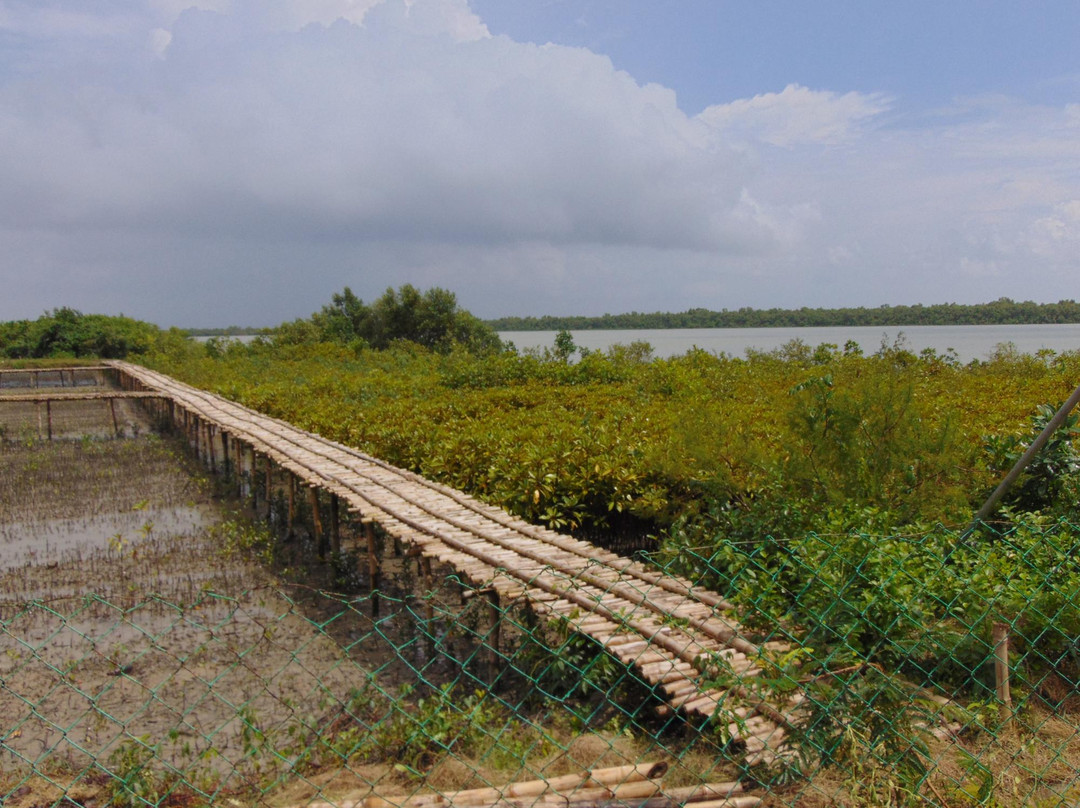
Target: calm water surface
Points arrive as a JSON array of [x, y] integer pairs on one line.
[[968, 341]]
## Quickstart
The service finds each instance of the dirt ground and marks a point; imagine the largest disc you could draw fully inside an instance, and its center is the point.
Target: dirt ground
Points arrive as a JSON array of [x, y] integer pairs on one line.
[[143, 640], [121, 620]]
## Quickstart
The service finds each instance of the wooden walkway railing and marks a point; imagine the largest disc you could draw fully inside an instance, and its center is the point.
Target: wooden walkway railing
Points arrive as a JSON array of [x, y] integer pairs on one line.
[[661, 624]]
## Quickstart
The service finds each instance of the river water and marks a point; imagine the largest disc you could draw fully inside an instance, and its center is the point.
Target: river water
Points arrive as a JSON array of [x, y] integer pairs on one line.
[[968, 341]]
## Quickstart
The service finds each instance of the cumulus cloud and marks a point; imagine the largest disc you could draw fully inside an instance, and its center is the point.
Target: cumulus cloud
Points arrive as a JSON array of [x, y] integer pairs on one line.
[[796, 115], [286, 149], [381, 120]]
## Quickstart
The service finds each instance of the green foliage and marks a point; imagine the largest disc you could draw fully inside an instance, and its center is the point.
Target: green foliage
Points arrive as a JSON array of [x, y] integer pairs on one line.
[[432, 319], [1051, 479], [134, 781], [65, 332], [923, 603], [564, 346], [778, 444]]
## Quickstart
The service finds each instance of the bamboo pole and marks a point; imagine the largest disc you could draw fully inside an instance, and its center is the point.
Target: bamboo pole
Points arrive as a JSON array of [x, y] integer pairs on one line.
[[210, 447], [373, 566], [429, 607], [238, 449], [48, 414], [316, 521], [564, 788], [253, 490], [112, 412], [1001, 671], [291, 514], [556, 794], [335, 526], [224, 451], [494, 639], [268, 484]]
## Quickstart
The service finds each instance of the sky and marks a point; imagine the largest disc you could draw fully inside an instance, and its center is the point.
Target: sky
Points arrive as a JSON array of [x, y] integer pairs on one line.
[[214, 162]]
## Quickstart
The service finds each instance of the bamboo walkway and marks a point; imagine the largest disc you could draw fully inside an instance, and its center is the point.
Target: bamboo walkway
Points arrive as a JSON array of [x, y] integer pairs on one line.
[[662, 625]]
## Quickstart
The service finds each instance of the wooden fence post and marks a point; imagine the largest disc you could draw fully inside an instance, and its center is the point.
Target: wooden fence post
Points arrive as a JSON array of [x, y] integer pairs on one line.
[[1001, 671]]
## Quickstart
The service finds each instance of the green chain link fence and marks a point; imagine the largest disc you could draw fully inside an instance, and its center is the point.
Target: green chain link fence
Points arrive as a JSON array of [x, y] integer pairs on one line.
[[287, 695]]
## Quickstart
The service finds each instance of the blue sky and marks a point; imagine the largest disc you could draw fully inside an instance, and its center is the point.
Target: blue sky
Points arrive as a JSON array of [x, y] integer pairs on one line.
[[712, 51], [237, 161]]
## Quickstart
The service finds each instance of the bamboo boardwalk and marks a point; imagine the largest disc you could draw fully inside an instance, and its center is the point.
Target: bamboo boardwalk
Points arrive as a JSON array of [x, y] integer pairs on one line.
[[660, 624]]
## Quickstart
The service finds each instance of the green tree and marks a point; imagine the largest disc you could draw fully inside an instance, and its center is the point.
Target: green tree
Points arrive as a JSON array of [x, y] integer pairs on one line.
[[432, 319], [564, 346], [67, 332]]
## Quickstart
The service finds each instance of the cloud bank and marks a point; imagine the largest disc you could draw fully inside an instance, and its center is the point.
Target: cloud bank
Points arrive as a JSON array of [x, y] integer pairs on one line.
[[236, 161]]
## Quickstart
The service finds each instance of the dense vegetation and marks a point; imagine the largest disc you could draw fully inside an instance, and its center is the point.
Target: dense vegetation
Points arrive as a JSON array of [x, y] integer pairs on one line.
[[810, 483], [432, 319], [65, 332], [1000, 312], [776, 443]]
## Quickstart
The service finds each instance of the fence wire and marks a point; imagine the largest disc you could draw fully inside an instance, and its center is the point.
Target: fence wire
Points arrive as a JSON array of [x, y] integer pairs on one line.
[[936, 669]]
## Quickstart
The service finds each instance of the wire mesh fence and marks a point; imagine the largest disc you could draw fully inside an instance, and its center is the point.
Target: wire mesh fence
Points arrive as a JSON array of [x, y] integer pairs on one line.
[[937, 669]]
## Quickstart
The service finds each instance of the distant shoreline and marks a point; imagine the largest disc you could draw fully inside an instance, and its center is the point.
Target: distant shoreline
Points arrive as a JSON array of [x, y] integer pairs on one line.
[[1000, 312]]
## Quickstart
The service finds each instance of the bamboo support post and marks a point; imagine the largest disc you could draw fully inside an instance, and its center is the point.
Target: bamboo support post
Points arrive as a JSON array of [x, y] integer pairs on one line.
[[290, 515], [373, 566], [268, 485], [1001, 671], [335, 526], [494, 639], [224, 452], [429, 607], [253, 489], [238, 449], [112, 412], [210, 447], [316, 521], [48, 413]]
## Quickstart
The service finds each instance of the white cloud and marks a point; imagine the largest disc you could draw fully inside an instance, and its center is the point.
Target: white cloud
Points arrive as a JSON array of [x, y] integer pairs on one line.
[[1057, 236], [287, 149], [410, 126], [796, 115]]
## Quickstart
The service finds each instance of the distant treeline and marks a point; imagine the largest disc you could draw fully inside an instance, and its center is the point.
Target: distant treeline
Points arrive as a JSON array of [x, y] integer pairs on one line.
[[1002, 311]]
